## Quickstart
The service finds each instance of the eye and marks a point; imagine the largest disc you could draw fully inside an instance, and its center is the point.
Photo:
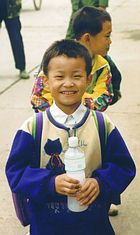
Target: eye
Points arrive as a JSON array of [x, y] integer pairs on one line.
[[59, 77], [108, 35], [77, 76]]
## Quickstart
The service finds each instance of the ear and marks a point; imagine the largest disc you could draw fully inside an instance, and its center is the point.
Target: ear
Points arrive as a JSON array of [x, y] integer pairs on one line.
[[85, 38]]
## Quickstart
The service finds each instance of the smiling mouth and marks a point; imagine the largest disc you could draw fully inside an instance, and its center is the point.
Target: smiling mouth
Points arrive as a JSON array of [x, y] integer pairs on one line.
[[68, 92]]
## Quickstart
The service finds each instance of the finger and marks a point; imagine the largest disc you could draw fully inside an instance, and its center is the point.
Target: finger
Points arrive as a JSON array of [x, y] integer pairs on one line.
[[89, 184], [88, 200], [68, 193], [70, 189], [71, 180], [85, 193], [84, 197], [92, 199], [72, 186]]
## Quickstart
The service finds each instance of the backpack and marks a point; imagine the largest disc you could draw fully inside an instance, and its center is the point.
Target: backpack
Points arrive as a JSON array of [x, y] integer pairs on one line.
[[21, 202]]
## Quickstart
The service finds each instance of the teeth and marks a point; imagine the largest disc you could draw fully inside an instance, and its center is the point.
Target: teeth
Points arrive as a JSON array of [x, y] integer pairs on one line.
[[68, 92]]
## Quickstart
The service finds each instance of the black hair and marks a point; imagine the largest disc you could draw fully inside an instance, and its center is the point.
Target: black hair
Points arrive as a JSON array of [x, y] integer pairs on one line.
[[69, 48], [89, 20]]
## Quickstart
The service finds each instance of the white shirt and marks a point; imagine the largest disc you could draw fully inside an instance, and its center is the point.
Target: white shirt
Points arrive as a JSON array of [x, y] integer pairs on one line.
[[68, 120]]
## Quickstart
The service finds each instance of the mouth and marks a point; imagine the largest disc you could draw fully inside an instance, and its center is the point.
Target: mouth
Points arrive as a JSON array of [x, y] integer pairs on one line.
[[68, 92]]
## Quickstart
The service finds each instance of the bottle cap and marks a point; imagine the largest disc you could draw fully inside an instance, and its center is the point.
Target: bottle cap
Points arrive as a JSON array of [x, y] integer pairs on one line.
[[73, 141]]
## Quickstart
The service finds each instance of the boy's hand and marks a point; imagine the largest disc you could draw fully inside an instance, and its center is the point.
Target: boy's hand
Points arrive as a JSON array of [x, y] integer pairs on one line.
[[89, 192], [66, 186]]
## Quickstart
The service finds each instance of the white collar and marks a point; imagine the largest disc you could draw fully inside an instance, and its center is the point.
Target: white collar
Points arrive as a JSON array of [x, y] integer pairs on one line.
[[62, 117]]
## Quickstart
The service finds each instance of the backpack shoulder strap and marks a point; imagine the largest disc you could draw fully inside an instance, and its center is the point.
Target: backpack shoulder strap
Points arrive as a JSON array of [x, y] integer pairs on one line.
[[37, 135], [102, 128]]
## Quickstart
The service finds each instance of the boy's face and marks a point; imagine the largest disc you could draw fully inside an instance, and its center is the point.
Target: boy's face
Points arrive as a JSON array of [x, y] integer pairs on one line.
[[67, 80], [100, 43]]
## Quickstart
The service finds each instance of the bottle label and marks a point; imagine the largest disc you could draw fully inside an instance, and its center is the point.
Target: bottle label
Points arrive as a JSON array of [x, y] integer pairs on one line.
[[74, 165]]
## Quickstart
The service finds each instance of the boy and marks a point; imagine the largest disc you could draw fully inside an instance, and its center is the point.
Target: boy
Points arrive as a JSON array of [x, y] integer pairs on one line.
[[67, 65], [76, 5], [92, 27], [99, 94]]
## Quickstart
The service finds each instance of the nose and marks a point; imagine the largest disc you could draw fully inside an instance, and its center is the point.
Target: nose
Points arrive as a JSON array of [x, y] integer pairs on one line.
[[68, 82]]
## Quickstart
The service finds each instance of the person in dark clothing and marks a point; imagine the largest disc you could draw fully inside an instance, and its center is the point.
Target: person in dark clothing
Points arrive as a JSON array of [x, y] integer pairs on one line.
[[9, 13]]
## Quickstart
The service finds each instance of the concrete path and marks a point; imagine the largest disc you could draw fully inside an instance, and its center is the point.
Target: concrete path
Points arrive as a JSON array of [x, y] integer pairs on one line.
[[39, 30]]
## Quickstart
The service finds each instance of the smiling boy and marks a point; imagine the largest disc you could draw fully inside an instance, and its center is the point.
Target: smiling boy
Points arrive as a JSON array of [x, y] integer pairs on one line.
[[66, 81], [67, 65]]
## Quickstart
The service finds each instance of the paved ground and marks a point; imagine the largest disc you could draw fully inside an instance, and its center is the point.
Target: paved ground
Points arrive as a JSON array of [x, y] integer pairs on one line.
[[39, 30]]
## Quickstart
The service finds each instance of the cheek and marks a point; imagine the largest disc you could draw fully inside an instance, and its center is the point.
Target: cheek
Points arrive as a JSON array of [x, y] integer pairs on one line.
[[52, 84], [103, 42], [84, 85], [103, 45], [107, 41]]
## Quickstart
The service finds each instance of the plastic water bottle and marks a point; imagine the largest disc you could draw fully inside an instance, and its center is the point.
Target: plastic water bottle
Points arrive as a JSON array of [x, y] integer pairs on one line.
[[75, 168]]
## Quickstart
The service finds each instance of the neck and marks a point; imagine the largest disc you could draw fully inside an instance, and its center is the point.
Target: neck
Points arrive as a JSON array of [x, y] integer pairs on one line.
[[69, 109]]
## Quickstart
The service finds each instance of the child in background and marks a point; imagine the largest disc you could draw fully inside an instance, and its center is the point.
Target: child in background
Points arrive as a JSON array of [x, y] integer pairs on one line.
[[94, 30], [67, 66], [76, 5], [96, 27]]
